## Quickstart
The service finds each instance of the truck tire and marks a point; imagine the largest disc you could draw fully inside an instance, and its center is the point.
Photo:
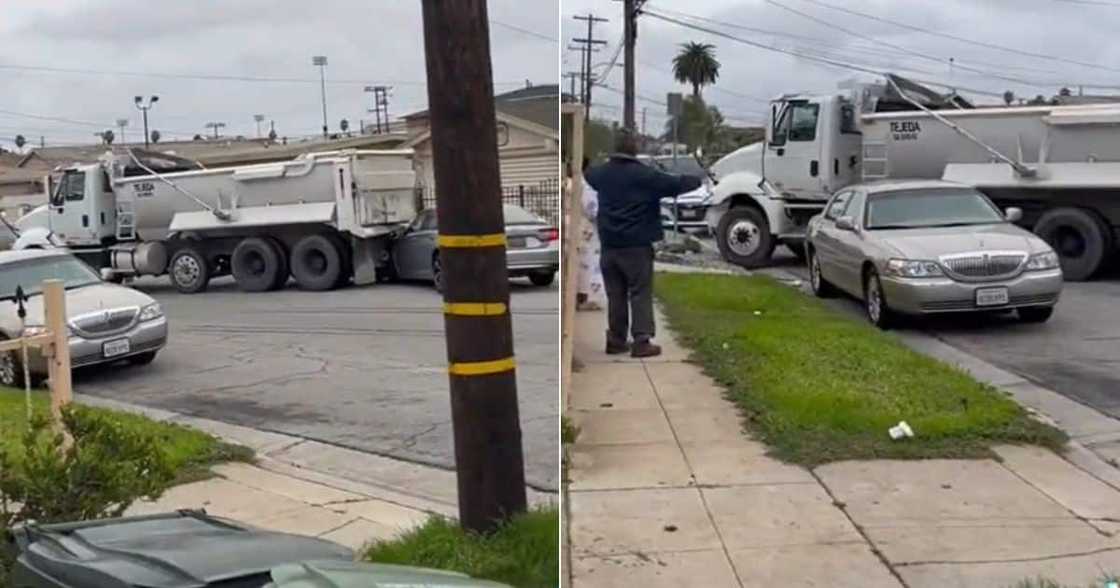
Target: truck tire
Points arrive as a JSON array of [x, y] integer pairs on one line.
[[189, 271], [744, 237], [285, 270], [255, 264], [317, 263], [347, 259], [1080, 239]]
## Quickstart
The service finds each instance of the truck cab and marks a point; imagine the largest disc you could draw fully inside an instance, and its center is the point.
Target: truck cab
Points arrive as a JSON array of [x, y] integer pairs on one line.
[[81, 209], [767, 193]]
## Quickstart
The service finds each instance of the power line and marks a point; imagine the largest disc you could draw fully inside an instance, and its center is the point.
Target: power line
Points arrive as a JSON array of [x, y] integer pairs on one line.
[[524, 31], [1091, 2], [962, 39]]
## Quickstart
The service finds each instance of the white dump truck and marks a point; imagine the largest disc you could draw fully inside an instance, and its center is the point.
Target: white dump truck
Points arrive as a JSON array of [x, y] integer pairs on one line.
[[1059, 164], [323, 219]]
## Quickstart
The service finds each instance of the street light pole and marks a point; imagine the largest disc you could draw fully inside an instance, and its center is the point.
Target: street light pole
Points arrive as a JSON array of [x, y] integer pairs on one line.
[[259, 118], [122, 123], [139, 100], [321, 61]]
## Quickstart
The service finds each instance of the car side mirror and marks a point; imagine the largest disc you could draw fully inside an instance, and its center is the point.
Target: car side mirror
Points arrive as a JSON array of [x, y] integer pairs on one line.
[[1013, 214], [845, 223]]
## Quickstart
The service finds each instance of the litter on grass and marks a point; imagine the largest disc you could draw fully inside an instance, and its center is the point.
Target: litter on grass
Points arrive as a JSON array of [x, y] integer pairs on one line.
[[901, 431]]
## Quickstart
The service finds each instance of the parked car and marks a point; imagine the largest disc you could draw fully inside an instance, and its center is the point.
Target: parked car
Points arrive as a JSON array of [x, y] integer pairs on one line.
[[692, 207], [924, 247], [532, 249], [107, 322]]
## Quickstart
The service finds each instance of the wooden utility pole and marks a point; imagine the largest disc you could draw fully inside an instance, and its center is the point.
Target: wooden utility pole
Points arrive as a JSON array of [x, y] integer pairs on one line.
[[631, 9], [589, 44], [472, 254]]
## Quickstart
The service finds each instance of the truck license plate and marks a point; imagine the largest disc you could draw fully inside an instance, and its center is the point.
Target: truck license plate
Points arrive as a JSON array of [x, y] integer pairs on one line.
[[115, 348], [991, 296]]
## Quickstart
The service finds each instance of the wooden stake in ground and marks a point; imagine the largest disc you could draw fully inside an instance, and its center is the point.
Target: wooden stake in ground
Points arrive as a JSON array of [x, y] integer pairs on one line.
[[572, 216], [54, 302], [472, 253]]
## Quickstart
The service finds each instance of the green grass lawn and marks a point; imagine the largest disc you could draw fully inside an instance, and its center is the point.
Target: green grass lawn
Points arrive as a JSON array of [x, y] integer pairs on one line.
[[191, 452], [818, 386], [525, 553]]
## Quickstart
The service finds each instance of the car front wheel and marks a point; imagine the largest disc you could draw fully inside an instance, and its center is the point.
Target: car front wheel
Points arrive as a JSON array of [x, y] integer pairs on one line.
[[875, 303], [822, 288]]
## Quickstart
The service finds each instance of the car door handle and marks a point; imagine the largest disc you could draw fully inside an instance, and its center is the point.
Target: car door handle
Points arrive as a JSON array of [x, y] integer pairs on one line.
[[85, 220], [814, 168]]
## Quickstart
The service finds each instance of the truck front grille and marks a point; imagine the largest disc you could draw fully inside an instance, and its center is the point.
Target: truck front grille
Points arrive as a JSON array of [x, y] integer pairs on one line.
[[105, 322], [979, 266]]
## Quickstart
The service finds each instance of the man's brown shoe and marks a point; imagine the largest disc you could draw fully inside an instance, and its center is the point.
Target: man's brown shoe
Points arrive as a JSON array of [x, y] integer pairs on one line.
[[644, 349], [617, 348]]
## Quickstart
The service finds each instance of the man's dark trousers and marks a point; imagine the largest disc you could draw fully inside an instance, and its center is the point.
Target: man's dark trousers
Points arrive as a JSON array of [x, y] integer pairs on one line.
[[628, 279]]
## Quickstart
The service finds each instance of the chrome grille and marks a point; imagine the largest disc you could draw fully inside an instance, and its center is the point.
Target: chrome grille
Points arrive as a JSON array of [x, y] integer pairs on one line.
[[105, 322], [984, 265]]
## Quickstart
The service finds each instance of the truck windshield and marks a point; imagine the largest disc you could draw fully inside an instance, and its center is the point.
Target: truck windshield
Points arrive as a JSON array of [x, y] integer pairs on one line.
[[70, 189], [930, 207], [30, 274]]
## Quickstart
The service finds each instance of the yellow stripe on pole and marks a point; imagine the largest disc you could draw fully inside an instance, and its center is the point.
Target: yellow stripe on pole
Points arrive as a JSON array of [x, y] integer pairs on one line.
[[463, 241], [474, 308], [482, 368]]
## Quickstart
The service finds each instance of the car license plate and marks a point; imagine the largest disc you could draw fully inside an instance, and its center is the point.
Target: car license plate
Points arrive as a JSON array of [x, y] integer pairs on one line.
[[991, 296], [516, 242], [687, 213], [115, 348]]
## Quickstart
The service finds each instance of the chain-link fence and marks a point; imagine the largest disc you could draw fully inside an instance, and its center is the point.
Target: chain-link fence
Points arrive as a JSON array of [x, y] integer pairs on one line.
[[542, 199]]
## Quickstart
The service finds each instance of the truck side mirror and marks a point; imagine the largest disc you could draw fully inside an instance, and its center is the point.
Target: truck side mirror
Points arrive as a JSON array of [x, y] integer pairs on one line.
[[1013, 214]]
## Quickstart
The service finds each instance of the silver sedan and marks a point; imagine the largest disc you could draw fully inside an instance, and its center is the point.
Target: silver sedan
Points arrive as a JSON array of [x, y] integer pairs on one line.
[[107, 322], [924, 247]]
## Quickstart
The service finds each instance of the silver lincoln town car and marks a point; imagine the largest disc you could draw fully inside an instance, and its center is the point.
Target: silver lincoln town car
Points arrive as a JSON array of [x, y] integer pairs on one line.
[[923, 247]]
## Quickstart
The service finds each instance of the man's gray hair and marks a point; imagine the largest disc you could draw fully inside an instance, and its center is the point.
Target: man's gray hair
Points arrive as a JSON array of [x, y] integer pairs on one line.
[[625, 141]]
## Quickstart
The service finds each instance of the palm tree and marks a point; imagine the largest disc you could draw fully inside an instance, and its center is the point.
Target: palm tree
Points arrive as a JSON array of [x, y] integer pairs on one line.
[[1008, 97], [696, 64]]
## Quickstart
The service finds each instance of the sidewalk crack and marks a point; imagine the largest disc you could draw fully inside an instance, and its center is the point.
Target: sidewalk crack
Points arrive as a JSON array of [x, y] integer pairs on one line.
[[1011, 560]]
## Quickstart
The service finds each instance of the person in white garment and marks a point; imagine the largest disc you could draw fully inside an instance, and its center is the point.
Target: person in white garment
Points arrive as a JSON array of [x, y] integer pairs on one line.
[[591, 295]]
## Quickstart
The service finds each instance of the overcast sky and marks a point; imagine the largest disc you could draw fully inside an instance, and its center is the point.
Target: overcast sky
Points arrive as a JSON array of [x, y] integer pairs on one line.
[[1078, 30], [365, 41]]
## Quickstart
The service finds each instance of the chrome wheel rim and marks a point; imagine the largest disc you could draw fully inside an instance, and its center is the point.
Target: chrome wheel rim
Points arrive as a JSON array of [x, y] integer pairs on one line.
[[743, 237], [437, 274], [874, 300], [187, 270], [7, 369]]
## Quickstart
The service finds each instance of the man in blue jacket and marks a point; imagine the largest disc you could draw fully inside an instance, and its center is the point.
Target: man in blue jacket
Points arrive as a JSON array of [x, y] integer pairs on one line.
[[629, 222]]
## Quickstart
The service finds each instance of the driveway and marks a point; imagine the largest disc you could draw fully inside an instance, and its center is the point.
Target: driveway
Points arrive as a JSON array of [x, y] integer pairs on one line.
[[1075, 353], [363, 367]]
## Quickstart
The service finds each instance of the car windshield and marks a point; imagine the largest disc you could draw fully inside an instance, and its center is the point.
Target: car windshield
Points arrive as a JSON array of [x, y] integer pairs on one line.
[[30, 274], [930, 207], [515, 215]]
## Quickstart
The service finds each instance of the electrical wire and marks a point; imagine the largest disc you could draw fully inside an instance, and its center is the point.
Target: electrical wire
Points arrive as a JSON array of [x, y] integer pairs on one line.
[[524, 31]]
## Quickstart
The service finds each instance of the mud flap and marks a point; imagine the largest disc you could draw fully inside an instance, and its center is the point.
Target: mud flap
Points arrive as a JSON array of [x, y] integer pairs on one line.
[[368, 255]]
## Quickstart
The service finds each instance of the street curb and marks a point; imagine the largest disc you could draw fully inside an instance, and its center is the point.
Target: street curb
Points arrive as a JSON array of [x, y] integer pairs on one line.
[[1049, 406], [420, 487]]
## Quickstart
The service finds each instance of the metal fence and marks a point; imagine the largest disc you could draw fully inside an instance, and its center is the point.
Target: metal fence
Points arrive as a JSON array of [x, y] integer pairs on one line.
[[542, 199]]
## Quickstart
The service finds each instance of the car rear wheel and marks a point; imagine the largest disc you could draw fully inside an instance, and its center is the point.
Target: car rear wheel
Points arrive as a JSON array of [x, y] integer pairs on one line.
[[875, 303], [822, 288], [1035, 314], [143, 358], [189, 271], [317, 263], [256, 264], [437, 272], [542, 278]]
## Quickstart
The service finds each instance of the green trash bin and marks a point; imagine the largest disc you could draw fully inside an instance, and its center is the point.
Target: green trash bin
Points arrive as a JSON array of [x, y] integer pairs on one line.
[[184, 549]]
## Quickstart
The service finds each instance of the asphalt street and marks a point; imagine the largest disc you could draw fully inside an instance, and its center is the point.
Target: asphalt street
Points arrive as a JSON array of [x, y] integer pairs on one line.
[[1076, 353], [362, 367]]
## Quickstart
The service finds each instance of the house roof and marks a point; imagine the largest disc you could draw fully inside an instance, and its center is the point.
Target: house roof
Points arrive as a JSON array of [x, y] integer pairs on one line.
[[502, 117], [539, 105]]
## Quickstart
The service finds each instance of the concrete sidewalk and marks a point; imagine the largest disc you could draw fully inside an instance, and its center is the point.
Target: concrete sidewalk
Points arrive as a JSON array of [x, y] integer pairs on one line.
[[310, 488], [667, 490]]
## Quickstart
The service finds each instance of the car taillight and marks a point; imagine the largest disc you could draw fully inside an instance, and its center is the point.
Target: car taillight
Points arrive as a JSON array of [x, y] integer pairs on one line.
[[548, 235]]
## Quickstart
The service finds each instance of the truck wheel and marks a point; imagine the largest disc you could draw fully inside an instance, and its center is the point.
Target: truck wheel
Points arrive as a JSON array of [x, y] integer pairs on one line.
[[189, 271], [1079, 238], [347, 259], [316, 263], [255, 264], [744, 237], [285, 271]]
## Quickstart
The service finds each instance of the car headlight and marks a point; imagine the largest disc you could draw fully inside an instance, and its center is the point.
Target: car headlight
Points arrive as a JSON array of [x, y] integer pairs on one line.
[[1043, 261], [914, 268], [151, 312]]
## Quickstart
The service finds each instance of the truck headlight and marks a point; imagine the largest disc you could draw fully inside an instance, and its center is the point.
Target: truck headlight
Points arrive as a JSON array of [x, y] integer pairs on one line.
[[913, 268], [1043, 261], [151, 312]]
